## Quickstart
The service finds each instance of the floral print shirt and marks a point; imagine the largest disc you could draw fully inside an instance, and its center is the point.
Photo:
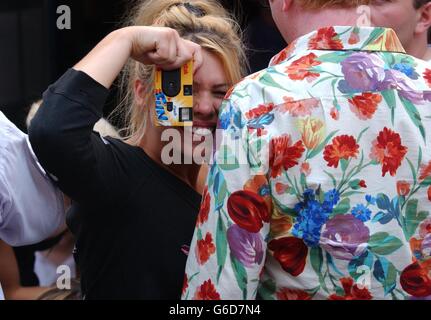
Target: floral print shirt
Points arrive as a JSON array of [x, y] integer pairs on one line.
[[321, 183]]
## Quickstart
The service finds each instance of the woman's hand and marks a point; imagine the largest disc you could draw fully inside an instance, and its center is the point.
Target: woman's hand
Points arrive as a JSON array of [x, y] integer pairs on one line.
[[149, 45], [163, 47]]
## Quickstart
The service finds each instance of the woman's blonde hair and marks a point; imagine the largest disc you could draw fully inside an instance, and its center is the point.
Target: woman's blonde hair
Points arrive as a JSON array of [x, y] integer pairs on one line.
[[204, 22]]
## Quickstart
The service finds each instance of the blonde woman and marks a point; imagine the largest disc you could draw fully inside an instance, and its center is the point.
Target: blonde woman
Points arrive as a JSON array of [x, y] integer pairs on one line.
[[136, 213]]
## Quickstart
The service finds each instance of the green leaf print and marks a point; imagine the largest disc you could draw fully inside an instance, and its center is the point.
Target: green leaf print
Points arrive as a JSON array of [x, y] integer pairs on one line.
[[334, 57], [316, 259], [227, 160], [382, 243], [375, 34], [342, 208], [386, 273], [358, 266], [414, 115], [240, 275], [389, 96], [267, 80], [413, 218], [267, 289], [220, 190], [426, 182], [221, 245]]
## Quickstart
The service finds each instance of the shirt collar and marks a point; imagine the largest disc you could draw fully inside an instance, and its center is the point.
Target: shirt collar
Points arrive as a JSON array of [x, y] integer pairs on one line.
[[343, 38]]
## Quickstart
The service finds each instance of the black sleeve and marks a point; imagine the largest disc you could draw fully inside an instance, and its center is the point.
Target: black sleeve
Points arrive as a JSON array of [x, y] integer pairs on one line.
[[62, 137]]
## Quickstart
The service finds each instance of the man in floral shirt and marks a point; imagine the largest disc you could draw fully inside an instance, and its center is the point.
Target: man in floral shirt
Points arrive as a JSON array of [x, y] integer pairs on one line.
[[321, 184]]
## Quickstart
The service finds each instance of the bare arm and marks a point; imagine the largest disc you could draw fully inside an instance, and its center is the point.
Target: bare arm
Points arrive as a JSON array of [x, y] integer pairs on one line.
[[149, 45], [9, 277]]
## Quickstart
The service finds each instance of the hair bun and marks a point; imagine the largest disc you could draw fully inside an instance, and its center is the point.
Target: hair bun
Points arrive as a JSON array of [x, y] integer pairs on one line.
[[197, 11]]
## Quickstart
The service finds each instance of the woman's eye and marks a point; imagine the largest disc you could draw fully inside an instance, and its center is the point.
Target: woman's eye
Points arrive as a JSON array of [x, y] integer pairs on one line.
[[220, 94]]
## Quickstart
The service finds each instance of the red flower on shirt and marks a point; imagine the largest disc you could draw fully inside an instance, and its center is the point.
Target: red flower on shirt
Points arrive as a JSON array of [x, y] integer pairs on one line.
[[403, 188], [335, 114], [284, 54], [205, 207], [298, 108], [429, 193], [427, 76], [248, 210], [291, 253], [326, 39], [281, 188], [259, 111], [259, 184], [352, 291], [204, 249], [416, 279], [354, 38], [207, 291], [425, 171], [365, 105], [342, 147], [300, 69], [283, 154], [292, 294], [305, 169], [388, 151]]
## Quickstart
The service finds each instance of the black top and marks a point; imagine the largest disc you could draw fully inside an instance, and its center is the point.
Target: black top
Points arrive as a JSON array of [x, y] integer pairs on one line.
[[134, 217]]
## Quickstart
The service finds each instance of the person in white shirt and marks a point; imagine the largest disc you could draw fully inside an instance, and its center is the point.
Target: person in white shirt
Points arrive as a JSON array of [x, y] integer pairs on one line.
[[31, 207]]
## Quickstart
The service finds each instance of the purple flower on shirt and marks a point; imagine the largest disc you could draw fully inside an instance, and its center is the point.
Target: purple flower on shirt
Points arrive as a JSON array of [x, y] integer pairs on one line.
[[426, 245], [427, 95], [397, 80], [247, 247], [362, 72], [345, 237], [366, 72]]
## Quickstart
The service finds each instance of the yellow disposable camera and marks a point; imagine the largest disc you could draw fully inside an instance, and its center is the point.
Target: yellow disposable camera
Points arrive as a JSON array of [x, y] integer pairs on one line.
[[173, 91]]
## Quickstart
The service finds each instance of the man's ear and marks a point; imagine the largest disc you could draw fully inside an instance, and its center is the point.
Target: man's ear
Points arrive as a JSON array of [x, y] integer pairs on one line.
[[286, 5], [424, 22]]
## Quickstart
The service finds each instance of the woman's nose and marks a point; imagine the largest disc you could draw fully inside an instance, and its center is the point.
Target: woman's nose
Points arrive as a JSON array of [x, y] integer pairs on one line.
[[204, 106]]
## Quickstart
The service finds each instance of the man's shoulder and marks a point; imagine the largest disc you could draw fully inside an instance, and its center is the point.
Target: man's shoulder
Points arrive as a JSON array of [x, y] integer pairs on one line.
[[270, 87]]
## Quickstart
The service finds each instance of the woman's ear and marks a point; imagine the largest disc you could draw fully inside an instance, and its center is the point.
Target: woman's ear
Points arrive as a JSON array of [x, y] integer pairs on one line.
[[139, 90], [424, 22]]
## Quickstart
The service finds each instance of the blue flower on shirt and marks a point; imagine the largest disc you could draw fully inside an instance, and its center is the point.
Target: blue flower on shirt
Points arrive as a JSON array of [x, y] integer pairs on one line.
[[225, 119], [312, 215], [332, 197], [407, 69], [361, 212], [370, 199]]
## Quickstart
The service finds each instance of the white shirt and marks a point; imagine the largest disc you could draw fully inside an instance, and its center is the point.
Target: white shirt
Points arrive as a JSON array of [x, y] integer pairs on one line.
[[31, 207]]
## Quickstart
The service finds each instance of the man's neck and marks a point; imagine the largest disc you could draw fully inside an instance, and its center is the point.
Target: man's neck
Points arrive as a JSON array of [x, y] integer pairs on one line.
[[427, 56], [323, 18], [418, 48]]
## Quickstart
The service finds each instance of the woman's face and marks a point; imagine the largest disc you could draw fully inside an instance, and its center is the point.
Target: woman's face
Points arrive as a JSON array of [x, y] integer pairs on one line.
[[210, 85]]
